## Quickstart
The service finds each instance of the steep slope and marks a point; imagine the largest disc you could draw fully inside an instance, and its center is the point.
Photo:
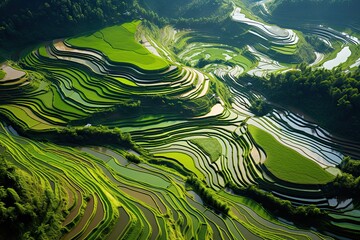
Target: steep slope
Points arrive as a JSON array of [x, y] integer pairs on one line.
[[23, 22]]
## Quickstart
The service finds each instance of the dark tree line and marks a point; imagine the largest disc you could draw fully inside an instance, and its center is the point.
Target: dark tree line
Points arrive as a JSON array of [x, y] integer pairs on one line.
[[259, 107], [82, 136], [23, 22], [348, 183], [150, 104], [304, 215], [92, 135], [208, 196], [133, 158]]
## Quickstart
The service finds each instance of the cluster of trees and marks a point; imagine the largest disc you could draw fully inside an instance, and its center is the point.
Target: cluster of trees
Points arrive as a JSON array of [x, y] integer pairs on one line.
[[301, 214], [208, 196], [350, 166], [150, 104], [346, 186], [27, 210], [332, 97], [23, 21], [348, 183], [91, 135], [129, 107], [203, 62], [165, 104], [133, 158], [259, 107]]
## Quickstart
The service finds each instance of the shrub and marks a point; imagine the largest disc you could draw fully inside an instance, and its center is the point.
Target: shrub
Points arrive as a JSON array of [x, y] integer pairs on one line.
[[133, 158], [207, 195]]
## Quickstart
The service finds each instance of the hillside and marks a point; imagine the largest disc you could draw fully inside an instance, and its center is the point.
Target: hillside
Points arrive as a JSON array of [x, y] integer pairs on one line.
[[23, 22]]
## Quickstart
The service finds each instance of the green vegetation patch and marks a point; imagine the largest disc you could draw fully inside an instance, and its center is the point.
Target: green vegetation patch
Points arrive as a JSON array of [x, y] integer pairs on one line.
[[210, 146], [119, 45], [2, 74], [26, 205], [287, 164], [139, 176], [126, 81], [185, 160]]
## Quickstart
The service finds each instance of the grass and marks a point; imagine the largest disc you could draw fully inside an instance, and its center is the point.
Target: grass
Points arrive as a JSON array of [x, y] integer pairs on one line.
[[119, 45], [183, 159], [2, 74], [42, 51], [126, 81], [287, 164], [210, 146]]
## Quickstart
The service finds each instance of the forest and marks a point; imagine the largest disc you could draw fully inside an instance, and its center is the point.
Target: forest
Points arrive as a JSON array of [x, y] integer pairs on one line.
[[28, 22], [27, 209]]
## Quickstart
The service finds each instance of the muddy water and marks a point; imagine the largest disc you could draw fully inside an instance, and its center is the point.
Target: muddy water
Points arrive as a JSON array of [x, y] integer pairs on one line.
[[83, 221], [140, 196], [120, 226], [151, 219], [74, 212], [99, 216]]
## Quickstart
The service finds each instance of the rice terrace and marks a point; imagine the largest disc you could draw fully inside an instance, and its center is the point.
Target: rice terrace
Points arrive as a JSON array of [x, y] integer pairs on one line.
[[183, 119]]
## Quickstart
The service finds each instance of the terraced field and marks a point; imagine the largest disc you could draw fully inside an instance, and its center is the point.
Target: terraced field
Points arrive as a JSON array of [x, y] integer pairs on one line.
[[117, 44], [186, 122]]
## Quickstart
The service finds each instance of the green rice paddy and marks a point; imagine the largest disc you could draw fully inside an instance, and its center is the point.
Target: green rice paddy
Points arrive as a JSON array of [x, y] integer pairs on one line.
[[286, 163], [184, 160], [119, 45], [210, 146]]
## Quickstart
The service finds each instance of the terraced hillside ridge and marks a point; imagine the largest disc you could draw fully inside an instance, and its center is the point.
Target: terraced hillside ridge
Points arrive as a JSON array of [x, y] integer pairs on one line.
[[144, 132], [73, 78], [118, 45]]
